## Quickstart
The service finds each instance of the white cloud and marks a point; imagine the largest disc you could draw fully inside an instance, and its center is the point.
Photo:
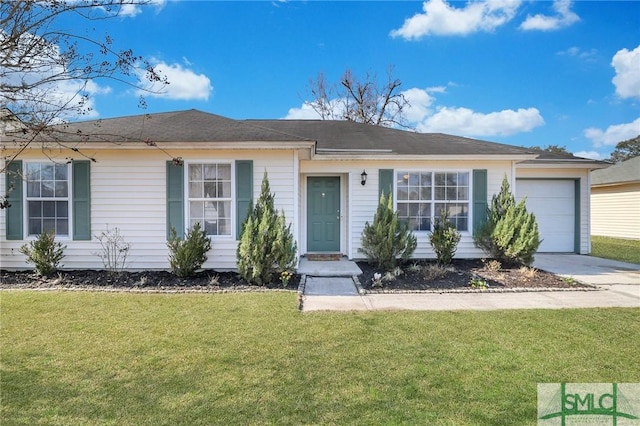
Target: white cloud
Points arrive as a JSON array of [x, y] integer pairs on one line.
[[563, 18], [627, 78], [594, 155], [426, 118], [130, 10], [305, 112], [419, 102], [184, 84], [439, 18], [464, 121], [613, 134], [47, 89], [587, 55]]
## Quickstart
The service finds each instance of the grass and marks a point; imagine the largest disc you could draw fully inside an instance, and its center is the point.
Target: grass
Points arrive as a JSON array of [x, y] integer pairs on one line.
[[616, 249], [133, 359]]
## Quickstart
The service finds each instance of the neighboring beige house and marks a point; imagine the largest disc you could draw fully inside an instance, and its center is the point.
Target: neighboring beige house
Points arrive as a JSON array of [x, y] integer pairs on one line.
[[615, 200], [327, 177]]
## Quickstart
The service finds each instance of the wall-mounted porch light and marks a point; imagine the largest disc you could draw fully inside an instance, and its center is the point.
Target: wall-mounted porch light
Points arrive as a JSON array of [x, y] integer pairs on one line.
[[363, 178]]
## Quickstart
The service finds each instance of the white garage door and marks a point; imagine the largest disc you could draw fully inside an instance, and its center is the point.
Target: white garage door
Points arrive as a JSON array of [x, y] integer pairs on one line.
[[553, 203]]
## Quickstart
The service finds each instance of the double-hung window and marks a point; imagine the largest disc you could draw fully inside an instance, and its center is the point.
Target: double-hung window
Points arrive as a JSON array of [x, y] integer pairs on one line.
[[421, 196], [47, 198], [210, 197]]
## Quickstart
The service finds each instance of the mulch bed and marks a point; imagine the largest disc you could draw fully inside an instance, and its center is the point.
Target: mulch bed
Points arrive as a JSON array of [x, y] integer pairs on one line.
[[459, 276], [207, 280]]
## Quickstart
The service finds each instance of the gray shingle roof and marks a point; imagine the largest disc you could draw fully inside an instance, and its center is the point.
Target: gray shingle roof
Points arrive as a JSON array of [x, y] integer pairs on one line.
[[334, 136], [625, 172], [331, 137], [179, 126]]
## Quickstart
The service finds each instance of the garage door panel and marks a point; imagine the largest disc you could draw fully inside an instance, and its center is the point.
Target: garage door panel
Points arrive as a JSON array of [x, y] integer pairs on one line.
[[553, 204]]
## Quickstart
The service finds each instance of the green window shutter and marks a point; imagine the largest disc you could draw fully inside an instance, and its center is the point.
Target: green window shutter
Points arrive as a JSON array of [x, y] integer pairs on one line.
[[13, 191], [81, 200], [175, 198], [479, 198], [385, 182], [244, 192]]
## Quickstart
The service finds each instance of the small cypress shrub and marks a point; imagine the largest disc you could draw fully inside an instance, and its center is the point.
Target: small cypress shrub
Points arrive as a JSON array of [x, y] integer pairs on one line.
[[510, 234], [444, 239], [387, 238], [44, 253], [188, 255], [266, 248]]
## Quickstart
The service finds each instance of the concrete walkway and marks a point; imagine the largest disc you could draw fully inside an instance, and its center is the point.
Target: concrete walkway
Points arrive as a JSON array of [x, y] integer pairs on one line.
[[619, 285]]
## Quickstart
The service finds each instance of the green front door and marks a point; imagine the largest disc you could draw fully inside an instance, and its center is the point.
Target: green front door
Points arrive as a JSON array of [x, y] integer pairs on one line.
[[323, 214]]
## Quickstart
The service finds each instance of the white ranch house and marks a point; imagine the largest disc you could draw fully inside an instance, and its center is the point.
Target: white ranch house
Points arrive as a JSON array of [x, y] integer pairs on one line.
[[315, 169]]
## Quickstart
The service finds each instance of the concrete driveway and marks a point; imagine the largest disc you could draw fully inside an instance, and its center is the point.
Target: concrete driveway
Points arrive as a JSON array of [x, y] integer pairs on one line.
[[608, 274]]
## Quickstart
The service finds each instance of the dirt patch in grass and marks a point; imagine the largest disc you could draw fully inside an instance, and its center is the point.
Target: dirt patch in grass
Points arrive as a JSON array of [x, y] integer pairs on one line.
[[461, 275], [208, 280]]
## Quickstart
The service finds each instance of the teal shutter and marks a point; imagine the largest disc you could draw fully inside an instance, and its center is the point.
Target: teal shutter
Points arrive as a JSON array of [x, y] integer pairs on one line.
[[479, 199], [175, 198], [81, 200], [13, 192], [244, 192], [385, 182]]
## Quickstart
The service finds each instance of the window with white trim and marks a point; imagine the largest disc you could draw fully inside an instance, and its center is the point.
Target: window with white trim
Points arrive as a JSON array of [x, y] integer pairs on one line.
[[210, 197], [421, 196], [47, 198]]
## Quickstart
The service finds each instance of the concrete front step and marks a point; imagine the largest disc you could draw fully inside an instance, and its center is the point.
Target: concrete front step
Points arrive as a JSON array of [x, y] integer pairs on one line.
[[331, 268]]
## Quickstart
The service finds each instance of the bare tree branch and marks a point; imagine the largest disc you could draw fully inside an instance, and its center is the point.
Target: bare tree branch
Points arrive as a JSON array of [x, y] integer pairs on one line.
[[362, 101], [48, 76]]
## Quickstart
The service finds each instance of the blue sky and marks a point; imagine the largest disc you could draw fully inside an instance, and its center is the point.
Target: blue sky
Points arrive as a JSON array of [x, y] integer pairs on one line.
[[518, 72]]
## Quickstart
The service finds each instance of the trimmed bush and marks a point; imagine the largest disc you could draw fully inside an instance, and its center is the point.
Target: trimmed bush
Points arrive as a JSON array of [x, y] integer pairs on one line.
[[388, 238], [44, 253], [267, 248], [188, 255], [510, 234], [444, 239]]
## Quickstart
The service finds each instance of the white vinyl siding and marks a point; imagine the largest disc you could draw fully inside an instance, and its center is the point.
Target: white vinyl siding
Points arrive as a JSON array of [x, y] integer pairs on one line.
[[128, 191], [615, 211], [363, 200]]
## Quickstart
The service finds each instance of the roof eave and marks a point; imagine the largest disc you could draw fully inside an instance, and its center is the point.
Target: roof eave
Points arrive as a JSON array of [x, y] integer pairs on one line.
[[359, 155], [624, 182], [577, 163], [245, 145]]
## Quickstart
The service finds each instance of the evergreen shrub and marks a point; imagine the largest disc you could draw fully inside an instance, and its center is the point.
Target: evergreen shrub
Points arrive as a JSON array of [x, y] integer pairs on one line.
[[188, 255], [388, 238], [510, 234], [444, 238], [267, 248], [44, 253]]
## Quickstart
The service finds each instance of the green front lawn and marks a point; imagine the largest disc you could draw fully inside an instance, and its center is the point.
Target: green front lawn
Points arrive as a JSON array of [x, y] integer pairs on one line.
[[130, 359], [616, 249]]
